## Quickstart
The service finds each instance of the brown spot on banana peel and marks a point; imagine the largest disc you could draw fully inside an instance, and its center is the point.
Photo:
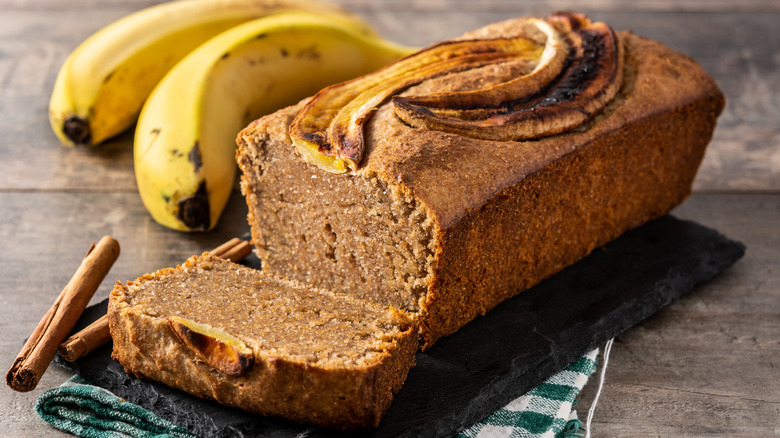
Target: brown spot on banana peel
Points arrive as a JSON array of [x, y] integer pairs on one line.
[[194, 210], [195, 157], [311, 53], [155, 133], [333, 119], [587, 85]]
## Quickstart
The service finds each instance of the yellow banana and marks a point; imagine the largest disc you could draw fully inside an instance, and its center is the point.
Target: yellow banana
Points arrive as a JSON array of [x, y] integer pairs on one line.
[[185, 138], [103, 84]]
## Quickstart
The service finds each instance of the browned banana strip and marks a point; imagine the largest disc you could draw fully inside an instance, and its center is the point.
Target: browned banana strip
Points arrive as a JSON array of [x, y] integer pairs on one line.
[[328, 131], [346, 130], [551, 63], [586, 86]]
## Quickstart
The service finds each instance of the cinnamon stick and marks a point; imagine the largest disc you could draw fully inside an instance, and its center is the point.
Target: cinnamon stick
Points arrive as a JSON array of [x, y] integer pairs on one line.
[[39, 350], [238, 252], [86, 340], [97, 333], [225, 247]]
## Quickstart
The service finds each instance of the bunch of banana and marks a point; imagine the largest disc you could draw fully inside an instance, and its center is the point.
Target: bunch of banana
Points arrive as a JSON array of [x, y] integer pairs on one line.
[[185, 138], [103, 84], [214, 65]]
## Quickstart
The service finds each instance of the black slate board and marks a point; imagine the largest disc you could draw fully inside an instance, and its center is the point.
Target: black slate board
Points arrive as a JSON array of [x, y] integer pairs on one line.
[[493, 359]]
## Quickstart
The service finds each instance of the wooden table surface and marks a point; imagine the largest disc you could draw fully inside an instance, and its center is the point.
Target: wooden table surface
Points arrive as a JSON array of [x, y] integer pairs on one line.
[[708, 365]]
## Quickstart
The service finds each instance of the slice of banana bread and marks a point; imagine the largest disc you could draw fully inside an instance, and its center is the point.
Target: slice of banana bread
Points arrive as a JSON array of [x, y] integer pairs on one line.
[[447, 226], [262, 343]]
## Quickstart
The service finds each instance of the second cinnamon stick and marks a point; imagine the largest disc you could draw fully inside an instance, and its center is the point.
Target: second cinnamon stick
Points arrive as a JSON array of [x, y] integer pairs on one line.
[[85, 341]]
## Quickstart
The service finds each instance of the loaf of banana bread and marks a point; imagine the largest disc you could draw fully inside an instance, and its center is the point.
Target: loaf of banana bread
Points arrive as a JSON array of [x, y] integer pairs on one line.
[[444, 224], [266, 344]]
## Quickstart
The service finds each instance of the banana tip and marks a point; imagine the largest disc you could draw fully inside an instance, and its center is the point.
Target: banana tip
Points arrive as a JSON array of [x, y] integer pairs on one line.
[[77, 130]]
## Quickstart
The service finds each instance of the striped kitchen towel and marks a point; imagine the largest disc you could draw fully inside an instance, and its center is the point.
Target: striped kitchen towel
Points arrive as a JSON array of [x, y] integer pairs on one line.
[[89, 411], [543, 412]]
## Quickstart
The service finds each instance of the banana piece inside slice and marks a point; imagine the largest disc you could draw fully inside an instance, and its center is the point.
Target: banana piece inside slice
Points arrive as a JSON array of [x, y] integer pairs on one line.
[[221, 350]]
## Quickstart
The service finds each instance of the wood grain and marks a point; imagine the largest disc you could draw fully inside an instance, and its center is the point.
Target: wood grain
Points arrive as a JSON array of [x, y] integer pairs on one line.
[[706, 366]]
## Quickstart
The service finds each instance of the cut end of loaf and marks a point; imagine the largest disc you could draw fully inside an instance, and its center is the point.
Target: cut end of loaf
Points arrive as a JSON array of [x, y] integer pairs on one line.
[[352, 232]]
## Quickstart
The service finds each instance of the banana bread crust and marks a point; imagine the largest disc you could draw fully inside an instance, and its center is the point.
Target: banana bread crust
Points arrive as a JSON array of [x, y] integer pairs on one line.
[[631, 164], [333, 394], [503, 216]]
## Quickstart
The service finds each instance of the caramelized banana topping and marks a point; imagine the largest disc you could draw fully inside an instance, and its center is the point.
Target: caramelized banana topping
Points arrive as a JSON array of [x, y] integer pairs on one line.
[[509, 111], [328, 131], [578, 71], [551, 63]]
